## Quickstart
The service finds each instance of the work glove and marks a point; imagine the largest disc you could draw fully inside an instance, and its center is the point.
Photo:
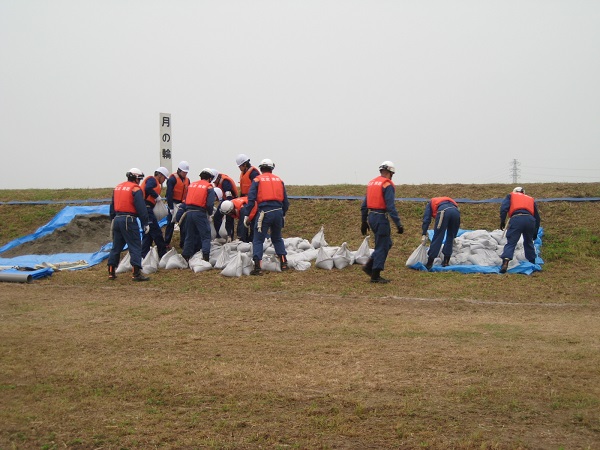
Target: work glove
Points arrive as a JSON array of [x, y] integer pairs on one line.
[[146, 229], [364, 227], [502, 225], [424, 239], [283, 222], [247, 222], [400, 229]]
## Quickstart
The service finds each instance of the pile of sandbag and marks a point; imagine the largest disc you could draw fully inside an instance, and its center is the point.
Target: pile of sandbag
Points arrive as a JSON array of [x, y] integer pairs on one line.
[[472, 248], [234, 258]]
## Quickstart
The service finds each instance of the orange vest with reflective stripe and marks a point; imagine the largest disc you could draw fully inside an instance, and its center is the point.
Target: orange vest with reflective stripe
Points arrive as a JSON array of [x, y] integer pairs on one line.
[[435, 203], [197, 193], [245, 181], [233, 186], [157, 189], [238, 203], [123, 197], [180, 188], [521, 201], [270, 187], [375, 198]]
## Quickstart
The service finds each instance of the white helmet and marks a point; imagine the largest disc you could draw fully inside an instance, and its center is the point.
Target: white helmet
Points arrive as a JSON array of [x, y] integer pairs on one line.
[[215, 174], [135, 173], [519, 189], [184, 166], [266, 163], [389, 166], [164, 171], [219, 193], [241, 159], [207, 172], [226, 207]]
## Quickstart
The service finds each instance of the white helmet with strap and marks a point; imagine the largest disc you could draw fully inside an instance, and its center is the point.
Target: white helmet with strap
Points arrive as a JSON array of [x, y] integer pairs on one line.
[[226, 207], [266, 163], [389, 166]]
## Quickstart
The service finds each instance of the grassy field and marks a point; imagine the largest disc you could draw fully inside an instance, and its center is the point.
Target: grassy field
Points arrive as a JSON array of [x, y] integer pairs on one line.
[[317, 359]]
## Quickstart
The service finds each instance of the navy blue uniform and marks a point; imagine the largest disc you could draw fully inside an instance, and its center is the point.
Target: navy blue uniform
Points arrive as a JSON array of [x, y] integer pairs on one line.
[[447, 222]]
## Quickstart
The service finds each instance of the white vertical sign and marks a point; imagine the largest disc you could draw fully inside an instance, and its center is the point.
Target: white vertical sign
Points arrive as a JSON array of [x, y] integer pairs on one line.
[[166, 138]]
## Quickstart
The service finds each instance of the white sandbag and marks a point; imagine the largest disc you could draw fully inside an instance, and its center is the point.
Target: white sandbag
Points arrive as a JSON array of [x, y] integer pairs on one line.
[[307, 255], [197, 264], [324, 261], [150, 262], [124, 264], [176, 262], [160, 209], [174, 214], [247, 264], [223, 259], [234, 266], [244, 247], [419, 255], [304, 245], [319, 239], [162, 264], [300, 265], [223, 230], [270, 263], [362, 255], [213, 232], [342, 257]]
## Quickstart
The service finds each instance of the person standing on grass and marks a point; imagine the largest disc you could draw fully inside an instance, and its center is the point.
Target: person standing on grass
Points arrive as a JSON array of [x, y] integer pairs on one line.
[[152, 187], [177, 185], [268, 192], [247, 173], [126, 207], [230, 192], [377, 206], [199, 204], [523, 220], [447, 223]]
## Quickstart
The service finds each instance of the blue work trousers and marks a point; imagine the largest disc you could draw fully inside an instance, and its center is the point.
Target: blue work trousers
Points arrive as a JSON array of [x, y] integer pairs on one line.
[[154, 235], [447, 222], [197, 233], [126, 231], [520, 224], [272, 223], [380, 226]]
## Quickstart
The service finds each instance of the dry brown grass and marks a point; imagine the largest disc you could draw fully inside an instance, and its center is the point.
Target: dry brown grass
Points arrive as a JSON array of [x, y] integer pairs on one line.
[[317, 359]]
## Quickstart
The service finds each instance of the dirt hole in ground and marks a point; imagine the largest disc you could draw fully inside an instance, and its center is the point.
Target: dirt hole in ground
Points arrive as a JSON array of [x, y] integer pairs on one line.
[[84, 234]]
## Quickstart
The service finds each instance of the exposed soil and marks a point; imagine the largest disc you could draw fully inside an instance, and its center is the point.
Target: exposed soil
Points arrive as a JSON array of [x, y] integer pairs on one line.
[[86, 233]]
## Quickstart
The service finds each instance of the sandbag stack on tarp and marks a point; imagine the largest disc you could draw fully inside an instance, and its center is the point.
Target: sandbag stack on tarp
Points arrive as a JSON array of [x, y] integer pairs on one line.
[[478, 251]]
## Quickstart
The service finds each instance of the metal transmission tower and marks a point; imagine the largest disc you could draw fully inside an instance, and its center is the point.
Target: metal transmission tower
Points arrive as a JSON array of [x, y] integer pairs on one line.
[[514, 170]]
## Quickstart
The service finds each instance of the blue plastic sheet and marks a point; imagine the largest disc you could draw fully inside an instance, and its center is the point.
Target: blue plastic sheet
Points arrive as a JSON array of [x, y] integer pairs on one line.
[[525, 267]]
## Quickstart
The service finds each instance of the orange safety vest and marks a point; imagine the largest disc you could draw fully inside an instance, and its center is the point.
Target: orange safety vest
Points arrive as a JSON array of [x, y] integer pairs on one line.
[[197, 193], [435, 203], [157, 189], [245, 181], [270, 187], [180, 188], [123, 197], [233, 186], [238, 203], [375, 198], [521, 201]]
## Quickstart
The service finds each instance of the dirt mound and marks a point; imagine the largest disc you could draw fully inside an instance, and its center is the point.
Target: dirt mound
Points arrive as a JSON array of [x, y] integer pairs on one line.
[[84, 234]]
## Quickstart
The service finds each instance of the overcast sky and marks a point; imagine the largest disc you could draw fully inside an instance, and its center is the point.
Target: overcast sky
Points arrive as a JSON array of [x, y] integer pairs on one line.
[[450, 91]]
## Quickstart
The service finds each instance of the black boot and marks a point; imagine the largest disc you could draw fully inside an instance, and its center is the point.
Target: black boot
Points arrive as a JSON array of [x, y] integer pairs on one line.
[[376, 277], [138, 275], [206, 256], [429, 264], [446, 261], [368, 267], [112, 274], [283, 262], [504, 266], [256, 270]]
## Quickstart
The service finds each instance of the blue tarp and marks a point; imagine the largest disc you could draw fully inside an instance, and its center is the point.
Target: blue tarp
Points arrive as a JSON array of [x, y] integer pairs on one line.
[[525, 267], [60, 260]]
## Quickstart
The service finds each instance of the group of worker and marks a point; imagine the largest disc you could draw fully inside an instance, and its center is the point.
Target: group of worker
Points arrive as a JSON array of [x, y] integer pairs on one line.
[[260, 205], [379, 206]]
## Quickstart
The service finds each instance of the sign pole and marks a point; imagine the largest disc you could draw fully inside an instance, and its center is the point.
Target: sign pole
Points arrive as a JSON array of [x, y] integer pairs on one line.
[[166, 137]]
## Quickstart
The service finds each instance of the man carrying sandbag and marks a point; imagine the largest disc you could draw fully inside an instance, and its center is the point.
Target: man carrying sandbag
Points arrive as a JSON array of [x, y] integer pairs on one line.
[[447, 222], [376, 207], [152, 187]]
